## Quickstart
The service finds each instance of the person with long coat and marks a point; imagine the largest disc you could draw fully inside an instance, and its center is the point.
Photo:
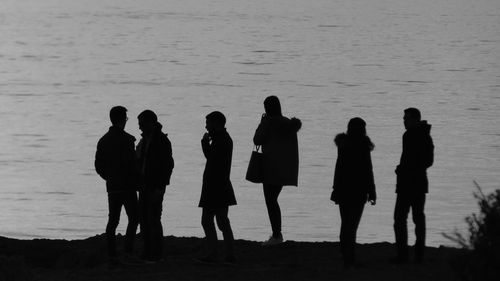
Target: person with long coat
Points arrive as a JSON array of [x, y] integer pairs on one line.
[[277, 135], [353, 183], [217, 192]]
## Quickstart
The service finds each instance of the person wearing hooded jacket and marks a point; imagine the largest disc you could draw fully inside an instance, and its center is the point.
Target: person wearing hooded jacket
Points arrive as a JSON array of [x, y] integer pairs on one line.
[[412, 184], [277, 135], [353, 183], [155, 165]]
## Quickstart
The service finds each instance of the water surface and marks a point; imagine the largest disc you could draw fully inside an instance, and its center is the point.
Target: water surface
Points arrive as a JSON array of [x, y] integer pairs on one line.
[[64, 64]]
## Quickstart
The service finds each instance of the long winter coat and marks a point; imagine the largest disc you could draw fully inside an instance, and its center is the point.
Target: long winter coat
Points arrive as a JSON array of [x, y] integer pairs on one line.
[[155, 160], [115, 160], [417, 156], [353, 180], [217, 190], [278, 137]]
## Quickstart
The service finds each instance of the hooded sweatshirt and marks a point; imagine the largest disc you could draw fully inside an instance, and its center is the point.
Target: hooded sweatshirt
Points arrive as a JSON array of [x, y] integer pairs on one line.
[[417, 156], [155, 159]]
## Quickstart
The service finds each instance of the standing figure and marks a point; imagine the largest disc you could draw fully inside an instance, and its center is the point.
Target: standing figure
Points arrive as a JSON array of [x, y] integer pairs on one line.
[[217, 191], [155, 165], [353, 183], [278, 137], [116, 163], [412, 184]]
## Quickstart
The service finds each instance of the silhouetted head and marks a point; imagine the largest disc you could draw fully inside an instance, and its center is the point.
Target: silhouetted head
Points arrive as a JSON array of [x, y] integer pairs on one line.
[[356, 127], [118, 116], [215, 121], [356, 131], [411, 118], [272, 106], [147, 121]]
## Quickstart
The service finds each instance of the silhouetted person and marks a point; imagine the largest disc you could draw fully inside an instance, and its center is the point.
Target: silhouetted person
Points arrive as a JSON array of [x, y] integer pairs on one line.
[[353, 183], [412, 183], [155, 165], [278, 137], [217, 192], [116, 163]]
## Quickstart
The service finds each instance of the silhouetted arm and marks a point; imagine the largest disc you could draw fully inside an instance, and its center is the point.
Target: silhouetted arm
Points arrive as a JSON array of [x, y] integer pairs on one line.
[[100, 160], [372, 193], [337, 178], [261, 133], [205, 146], [429, 152], [168, 157]]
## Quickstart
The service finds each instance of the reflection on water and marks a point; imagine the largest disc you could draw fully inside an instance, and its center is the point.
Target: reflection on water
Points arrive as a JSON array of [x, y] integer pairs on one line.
[[63, 65]]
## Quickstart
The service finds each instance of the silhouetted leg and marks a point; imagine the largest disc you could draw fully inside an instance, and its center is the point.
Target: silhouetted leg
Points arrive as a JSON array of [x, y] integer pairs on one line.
[[207, 221], [401, 211], [114, 208], [271, 193], [344, 230], [350, 213], [145, 224], [131, 207], [225, 226], [156, 226], [357, 212], [419, 220]]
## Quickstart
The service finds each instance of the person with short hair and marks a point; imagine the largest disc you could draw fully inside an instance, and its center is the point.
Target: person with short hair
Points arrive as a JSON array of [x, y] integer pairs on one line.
[[155, 166], [115, 161], [412, 184], [217, 192]]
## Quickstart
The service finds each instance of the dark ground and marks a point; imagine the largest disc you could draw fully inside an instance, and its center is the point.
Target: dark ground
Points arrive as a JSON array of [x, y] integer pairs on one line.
[[42, 259]]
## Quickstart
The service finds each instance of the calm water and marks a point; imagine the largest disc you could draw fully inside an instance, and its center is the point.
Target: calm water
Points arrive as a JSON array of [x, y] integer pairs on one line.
[[63, 64]]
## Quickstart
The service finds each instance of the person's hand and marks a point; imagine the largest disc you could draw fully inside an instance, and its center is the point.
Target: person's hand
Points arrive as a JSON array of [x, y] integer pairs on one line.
[[334, 197], [372, 198], [263, 117], [206, 137]]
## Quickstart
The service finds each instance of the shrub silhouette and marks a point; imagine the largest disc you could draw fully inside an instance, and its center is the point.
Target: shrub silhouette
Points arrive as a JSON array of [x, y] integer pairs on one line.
[[483, 240]]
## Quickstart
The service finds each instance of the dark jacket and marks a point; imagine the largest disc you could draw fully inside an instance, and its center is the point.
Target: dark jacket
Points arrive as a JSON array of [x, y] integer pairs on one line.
[[278, 137], [353, 180], [155, 160], [417, 156], [115, 161], [217, 190]]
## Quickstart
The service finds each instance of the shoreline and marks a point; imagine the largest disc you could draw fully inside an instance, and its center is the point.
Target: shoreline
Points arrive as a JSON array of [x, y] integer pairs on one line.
[[86, 259]]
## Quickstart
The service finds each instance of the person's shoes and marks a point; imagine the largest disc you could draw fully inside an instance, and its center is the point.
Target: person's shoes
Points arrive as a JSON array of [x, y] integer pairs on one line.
[[230, 260], [272, 241], [129, 259], [398, 260], [419, 259], [206, 260], [151, 260], [114, 262]]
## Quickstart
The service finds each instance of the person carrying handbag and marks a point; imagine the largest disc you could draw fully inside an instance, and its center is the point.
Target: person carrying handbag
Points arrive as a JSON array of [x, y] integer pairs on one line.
[[277, 136]]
